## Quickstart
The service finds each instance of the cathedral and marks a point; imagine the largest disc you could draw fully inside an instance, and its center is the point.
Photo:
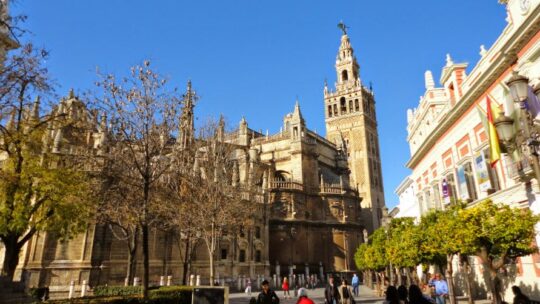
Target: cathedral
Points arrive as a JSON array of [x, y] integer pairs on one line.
[[322, 196]]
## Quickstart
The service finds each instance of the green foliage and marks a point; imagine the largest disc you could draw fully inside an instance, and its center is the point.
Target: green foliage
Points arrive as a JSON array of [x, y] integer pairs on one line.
[[171, 294], [494, 232], [117, 290], [373, 256], [132, 295], [498, 232], [403, 242]]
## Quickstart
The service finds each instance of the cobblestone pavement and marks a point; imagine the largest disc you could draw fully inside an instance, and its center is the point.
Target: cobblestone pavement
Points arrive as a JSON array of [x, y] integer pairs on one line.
[[317, 295]]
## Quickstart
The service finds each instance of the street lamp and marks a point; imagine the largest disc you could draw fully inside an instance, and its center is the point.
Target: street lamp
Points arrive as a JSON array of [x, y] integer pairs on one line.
[[526, 136], [519, 87], [505, 128]]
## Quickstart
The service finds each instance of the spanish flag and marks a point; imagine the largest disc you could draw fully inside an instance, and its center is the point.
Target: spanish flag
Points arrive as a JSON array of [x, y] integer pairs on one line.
[[494, 148]]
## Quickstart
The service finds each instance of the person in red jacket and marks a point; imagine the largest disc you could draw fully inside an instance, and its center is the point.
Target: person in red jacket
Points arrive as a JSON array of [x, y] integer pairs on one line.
[[285, 287], [303, 298]]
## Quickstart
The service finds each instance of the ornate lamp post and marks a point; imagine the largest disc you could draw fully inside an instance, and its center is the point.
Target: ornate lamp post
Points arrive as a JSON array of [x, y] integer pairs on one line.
[[525, 136]]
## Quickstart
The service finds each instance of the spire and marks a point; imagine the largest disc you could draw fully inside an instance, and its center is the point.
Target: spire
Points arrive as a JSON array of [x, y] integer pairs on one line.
[[35, 109], [187, 127], [221, 128], [430, 83], [297, 114]]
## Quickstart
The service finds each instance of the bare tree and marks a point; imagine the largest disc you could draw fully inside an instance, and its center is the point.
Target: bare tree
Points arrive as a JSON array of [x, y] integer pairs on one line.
[[143, 114], [222, 204]]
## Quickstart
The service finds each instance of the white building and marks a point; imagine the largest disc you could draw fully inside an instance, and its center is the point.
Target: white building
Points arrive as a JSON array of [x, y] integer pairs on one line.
[[408, 205], [448, 142]]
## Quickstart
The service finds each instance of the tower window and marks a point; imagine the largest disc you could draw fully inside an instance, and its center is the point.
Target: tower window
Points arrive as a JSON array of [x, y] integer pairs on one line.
[[356, 105], [335, 110], [329, 111], [343, 105], [350, 106], [344, 75]]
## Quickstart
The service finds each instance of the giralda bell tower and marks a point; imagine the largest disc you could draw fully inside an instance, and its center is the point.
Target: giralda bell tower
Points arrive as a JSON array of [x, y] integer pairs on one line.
[[351, 122]]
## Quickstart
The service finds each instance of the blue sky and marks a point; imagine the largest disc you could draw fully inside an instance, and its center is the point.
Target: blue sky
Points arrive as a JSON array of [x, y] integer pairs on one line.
[[254, 57]]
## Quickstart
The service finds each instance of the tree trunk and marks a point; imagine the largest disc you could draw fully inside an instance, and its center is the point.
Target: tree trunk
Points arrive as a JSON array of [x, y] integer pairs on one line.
[[409, 279], [494, 286], [187, 259], [212, 269], [469, 281], [145, 242], [398, 275], [11, 257], [132, 256], [450, 279]]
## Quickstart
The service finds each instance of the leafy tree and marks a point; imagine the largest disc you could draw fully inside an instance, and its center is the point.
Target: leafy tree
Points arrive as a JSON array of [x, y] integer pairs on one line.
[[403, 242], [41, 188], [444, 236], [496, 234]]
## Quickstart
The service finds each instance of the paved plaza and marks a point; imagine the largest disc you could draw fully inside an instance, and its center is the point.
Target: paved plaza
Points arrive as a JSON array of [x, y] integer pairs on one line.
[[317, 295]]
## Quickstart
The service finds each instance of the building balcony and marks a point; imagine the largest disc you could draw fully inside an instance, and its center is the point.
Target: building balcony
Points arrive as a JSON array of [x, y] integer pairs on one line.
[[286, 185]]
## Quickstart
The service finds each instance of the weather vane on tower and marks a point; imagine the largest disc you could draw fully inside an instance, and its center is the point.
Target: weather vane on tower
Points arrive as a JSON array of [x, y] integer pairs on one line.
[[343, 27]]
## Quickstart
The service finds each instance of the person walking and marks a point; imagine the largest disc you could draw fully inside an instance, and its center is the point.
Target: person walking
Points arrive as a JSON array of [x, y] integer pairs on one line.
[[355, 284], [248, 287], [285, 287], [392, 296], [267, 296], [331, 293], [416, 296], [345, 293], [303, 297], [519, 297], [441, 289]]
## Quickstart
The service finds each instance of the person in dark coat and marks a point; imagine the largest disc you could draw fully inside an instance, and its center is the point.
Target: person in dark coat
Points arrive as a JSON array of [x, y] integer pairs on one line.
[[519, 297], [416, 296], [267, 296], [331, 292]]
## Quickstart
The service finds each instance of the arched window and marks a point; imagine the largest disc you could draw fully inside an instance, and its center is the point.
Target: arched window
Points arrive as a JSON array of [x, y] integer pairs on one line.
[[356, 105], [344, 75], [343, 105], [329, 111]]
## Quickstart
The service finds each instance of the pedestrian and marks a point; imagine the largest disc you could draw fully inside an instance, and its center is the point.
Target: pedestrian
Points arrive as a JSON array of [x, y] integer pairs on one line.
[[403, 294], [431, 286], [441, 289], [331, 293], [392, 296], [303, 297], [248, 286], [519, 297], [416, 296], [355, 284], [285, 287], [267, 295], [345, 293]]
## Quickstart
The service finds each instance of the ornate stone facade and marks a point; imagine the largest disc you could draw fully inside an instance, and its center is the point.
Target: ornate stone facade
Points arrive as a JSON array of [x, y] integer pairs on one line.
[[310, 220], [352, 122]]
